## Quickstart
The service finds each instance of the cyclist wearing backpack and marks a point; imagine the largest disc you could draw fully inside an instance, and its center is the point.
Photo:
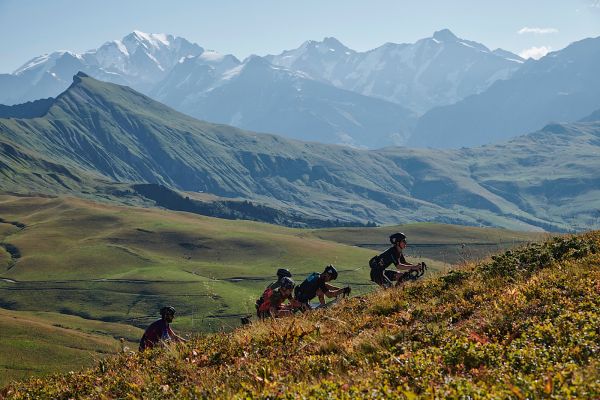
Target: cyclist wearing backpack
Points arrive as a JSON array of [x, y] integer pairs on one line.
[[317, 285], [281, 273], [385, 277], [273, 306]]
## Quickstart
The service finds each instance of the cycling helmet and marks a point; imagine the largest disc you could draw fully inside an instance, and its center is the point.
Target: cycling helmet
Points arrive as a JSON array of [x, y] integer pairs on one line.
[[330, 269], [167, 310], [397, 237], [287, 283], [281, 272]]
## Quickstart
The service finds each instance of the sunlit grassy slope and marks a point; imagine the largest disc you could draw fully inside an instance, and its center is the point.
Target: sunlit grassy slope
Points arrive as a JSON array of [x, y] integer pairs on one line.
[[120, 264], [95, 263], [521, 325], [42, 343]]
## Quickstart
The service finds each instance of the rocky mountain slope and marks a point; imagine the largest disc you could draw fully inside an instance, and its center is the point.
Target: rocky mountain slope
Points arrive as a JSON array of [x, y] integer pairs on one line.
[[434, 71]]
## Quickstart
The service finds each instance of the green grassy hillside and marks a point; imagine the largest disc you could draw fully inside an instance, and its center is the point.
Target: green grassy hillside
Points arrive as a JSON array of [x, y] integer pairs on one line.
[[521, 325], [120, 264], [42, 343], [97, 133]]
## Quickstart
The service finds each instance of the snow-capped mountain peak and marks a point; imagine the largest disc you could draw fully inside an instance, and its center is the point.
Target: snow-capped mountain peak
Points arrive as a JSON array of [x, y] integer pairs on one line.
[[150, 41], [45, 59], [433, 71]]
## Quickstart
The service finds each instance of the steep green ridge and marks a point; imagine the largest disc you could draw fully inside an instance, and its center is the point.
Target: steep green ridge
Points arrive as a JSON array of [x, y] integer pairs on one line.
[[521, 325], [107, 132]]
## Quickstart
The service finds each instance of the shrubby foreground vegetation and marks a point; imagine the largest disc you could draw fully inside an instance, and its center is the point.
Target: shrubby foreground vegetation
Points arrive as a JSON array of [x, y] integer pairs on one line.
[[524, 324]]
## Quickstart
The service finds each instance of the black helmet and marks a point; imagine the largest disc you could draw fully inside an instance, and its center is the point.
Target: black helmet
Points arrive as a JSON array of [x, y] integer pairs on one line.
[[330, 269], [281, 272], [167, 310], [287, 283], [397, 237]]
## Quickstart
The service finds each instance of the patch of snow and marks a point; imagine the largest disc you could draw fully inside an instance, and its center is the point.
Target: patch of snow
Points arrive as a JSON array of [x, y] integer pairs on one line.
[[211, 55], [436, 41], [232, 73], [473, 47], [182, 59], [161, 37], [32, 64], [331, 49], [121, 47], [153, 39], [156, 61]]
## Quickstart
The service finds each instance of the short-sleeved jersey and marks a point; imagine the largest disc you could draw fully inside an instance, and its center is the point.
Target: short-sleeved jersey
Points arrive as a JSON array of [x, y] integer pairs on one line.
[[387, 258], [157, 331], [307, 290]]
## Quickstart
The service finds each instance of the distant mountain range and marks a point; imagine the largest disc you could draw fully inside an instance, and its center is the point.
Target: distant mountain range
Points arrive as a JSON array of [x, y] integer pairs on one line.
[[97, 134], [563, 86], [326, 92], [139, 60], [263, 97], [322, 91]]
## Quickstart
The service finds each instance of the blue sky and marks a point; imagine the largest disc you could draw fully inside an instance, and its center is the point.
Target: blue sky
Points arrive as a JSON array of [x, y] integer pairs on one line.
[[242, 27]]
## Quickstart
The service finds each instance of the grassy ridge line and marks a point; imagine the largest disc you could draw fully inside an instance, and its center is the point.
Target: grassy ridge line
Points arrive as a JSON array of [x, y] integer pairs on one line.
[[426, 233], [451, 244], [522, 325]]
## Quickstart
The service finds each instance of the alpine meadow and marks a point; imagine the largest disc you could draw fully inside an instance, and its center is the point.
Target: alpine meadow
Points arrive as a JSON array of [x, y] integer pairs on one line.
[[394, 211]]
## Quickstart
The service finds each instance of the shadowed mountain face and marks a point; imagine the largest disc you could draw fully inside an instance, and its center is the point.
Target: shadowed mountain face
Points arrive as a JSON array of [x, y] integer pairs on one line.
[[97, 132], [563, 86], [322, 91], [434, 71], [259, 96]]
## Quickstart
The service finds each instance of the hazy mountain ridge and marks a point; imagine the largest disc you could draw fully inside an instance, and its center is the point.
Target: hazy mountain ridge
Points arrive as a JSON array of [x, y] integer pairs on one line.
[[112, 132], [257, 95], [434, 71], [322, 91], [563, 86]]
